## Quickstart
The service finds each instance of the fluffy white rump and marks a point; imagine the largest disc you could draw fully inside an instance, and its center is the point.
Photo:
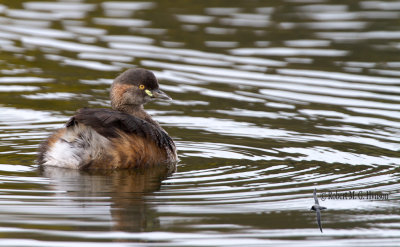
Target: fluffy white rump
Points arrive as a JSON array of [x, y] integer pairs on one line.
[[76, 148]]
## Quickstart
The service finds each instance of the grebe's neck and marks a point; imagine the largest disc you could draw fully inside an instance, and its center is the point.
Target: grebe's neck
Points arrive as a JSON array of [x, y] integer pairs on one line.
[[137, 111]]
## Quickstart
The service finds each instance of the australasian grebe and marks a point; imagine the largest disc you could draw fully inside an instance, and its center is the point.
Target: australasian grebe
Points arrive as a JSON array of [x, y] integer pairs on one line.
[[122, 137]]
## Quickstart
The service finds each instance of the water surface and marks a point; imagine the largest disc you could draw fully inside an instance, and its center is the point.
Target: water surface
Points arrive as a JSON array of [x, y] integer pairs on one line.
[[271, 100]]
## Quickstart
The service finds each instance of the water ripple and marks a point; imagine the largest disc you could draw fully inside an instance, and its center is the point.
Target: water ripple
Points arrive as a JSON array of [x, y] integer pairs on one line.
[[270, 102]]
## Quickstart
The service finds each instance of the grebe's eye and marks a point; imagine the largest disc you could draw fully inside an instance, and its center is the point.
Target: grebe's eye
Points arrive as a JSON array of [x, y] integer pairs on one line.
[[141, 86]]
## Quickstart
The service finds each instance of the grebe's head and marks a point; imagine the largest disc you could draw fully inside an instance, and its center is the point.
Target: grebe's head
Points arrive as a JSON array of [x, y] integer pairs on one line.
[[135, 87]]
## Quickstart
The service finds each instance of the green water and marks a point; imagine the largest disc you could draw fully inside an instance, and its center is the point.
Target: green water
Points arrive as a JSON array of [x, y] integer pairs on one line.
[[271, 100]]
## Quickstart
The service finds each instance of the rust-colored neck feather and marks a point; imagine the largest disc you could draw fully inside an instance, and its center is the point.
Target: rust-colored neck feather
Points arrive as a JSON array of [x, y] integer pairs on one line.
[[121, 102]]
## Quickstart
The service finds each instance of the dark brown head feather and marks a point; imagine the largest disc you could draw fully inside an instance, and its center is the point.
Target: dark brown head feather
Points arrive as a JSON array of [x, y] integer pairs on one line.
[[137, 77]]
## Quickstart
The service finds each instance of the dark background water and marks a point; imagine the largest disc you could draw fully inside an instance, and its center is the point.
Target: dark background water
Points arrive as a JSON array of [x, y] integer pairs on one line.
[[271, 100]]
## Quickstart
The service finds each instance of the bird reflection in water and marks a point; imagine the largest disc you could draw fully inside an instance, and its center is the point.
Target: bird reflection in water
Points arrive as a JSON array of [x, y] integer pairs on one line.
[[121, 192]]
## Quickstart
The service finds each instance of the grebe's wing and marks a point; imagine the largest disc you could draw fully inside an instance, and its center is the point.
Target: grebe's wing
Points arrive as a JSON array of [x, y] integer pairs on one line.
[[108, 123]]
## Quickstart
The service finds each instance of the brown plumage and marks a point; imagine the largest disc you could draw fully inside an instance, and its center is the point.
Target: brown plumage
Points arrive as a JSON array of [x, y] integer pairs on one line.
[[122, 137]]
